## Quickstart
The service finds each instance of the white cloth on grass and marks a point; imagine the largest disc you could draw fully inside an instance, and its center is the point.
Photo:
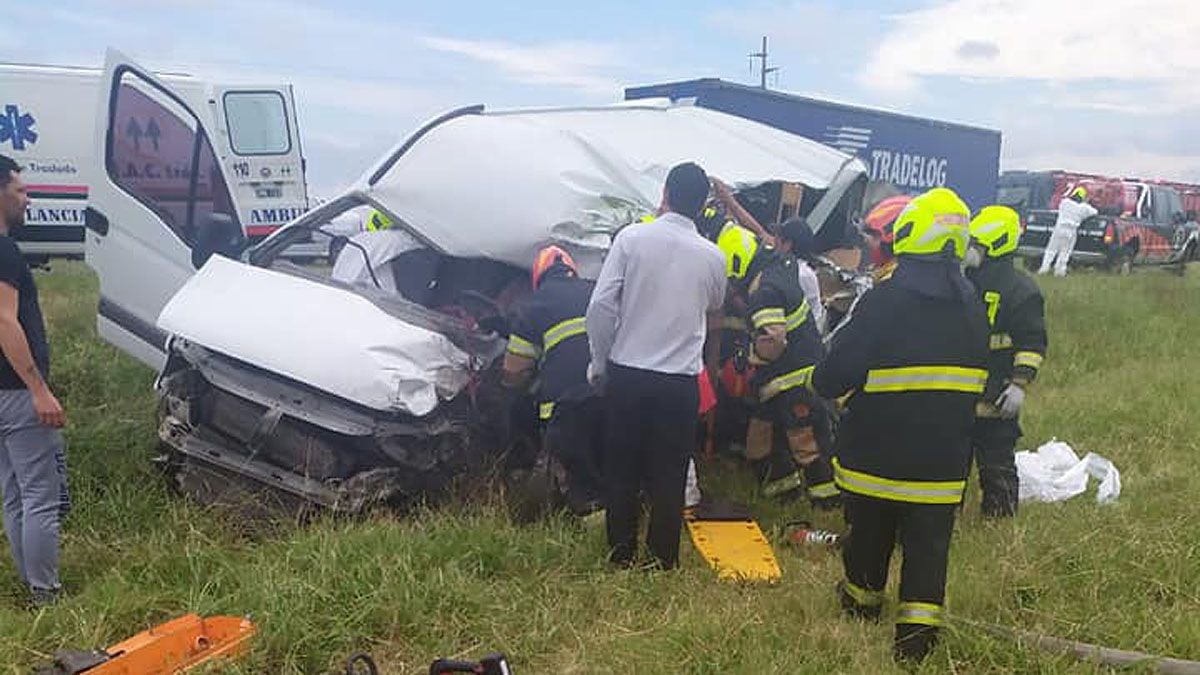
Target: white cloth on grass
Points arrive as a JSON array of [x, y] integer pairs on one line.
[[1054, 473]]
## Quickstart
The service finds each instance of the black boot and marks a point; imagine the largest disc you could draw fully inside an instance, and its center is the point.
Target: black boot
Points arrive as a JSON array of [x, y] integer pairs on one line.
[[913, 642], [778, 475], [852, 606], [1000, 491]]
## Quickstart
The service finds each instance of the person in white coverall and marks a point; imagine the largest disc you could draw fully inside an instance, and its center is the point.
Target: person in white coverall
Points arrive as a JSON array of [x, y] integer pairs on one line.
[[398, 262], [1071, 212]]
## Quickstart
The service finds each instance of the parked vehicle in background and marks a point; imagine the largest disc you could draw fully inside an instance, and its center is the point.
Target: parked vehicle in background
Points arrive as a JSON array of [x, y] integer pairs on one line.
[[912, 153], [1189, 194], [48, 120], [1026, 191], [1139, 224]]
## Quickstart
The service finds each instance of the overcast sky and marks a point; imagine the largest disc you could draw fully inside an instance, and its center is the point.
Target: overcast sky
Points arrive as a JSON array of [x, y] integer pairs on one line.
[[1107, 86]]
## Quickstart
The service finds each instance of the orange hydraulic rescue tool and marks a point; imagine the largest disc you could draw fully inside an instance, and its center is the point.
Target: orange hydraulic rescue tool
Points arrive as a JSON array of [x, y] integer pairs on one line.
[[176, 646]]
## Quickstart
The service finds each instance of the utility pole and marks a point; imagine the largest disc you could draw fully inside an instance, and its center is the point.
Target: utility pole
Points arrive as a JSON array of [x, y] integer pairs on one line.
[[764, 69]]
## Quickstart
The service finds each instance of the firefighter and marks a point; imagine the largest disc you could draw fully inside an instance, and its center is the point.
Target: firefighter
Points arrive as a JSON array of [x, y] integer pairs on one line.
[[879, 235], [1016, 348], [796, 239], [914, 357], [550, 339], [783, 346]]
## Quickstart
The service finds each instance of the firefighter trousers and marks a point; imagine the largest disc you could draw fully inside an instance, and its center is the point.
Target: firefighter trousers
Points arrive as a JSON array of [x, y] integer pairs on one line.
[[804, 424], [923, 532], [994, 444], [575, 436]]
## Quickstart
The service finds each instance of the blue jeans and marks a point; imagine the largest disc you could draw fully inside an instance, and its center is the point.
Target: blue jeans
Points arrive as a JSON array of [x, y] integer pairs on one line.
[[32, 487]]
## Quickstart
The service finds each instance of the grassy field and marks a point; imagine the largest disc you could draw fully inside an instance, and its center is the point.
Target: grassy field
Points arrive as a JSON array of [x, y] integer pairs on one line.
[[1121, 381]]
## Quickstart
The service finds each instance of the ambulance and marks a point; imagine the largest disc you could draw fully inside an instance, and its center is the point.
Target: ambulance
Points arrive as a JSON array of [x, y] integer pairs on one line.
[[48, 124]]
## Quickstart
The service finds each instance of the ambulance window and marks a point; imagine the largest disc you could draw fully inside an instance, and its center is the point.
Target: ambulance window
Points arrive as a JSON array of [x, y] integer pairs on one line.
[[159, 154], [258, 123]]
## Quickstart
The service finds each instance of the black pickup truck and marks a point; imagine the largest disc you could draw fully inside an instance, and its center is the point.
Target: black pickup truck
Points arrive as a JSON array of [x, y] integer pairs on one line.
[[1156, 232]]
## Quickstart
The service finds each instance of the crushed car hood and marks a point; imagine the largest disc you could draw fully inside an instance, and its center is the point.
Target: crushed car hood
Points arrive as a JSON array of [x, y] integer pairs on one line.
[[501, 184], [330, 338]]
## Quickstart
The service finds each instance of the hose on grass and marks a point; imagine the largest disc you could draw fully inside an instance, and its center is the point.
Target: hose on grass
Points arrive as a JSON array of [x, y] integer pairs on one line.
[[1088, 652]]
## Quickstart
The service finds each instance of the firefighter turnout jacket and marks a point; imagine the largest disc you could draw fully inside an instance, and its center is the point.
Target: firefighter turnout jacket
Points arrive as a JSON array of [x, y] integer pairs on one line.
[[777, 299], [551, 329], [1017, 344], [914, 356]]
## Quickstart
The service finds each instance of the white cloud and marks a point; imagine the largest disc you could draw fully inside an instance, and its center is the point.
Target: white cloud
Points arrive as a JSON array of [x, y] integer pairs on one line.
[[564, 64], [1107, 87], [1048, 40]]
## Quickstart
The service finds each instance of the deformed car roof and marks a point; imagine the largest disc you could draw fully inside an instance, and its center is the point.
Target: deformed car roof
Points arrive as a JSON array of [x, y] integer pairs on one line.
[[501, 184]]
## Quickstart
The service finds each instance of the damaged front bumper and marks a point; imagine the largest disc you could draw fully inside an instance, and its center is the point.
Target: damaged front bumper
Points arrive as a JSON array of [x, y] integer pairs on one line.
[[232, 430]]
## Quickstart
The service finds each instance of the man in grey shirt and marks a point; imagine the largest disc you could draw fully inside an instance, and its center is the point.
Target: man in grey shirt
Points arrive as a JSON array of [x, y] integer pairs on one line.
[[657, 300]]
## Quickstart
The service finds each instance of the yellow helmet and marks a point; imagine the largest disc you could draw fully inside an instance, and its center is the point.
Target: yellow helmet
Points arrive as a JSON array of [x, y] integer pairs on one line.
[[739, 246], [1080, 192], [997, 229], [378, 221], [931, 222]]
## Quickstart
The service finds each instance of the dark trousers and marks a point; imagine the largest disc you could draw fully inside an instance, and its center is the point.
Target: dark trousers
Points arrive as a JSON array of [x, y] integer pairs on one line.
[[802, 419], [994, 443], [652, 420], [923, 532], [574, 436]]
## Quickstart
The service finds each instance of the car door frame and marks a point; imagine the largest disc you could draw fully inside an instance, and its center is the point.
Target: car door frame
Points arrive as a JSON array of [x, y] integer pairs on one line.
[[130, 323]]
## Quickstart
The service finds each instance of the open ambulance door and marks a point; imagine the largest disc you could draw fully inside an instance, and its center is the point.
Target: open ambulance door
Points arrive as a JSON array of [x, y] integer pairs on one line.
[[258, 145]]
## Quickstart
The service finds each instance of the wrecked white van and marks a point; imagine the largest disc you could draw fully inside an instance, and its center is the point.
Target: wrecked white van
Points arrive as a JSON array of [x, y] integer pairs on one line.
[[276, 378]]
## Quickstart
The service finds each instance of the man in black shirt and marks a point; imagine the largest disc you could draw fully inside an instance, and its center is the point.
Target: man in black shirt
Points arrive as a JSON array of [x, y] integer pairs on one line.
[[30, 415]]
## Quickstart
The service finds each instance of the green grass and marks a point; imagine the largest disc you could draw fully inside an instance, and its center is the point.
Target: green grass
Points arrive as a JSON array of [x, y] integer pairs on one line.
[[1121, 381]]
